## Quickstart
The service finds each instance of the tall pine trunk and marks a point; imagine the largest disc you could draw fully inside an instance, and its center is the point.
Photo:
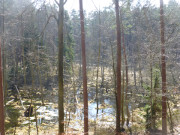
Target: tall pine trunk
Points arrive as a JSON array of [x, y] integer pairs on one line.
[[4, 57], [163, 72], [60, 67], [118, 100], [2, 131], [84, 69]]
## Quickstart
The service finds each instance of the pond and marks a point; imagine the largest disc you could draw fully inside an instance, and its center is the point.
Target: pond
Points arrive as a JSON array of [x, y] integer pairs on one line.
[[49, 115]]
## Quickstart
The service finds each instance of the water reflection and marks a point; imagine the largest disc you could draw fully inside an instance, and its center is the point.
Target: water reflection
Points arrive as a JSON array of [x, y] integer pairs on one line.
[[49, 115]]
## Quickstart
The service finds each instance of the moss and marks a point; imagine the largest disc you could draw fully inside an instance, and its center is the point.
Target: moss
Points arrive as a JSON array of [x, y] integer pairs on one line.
[[12, 117]]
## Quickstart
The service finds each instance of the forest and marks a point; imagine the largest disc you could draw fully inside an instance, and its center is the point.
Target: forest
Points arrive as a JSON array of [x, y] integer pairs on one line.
[[114, 70]]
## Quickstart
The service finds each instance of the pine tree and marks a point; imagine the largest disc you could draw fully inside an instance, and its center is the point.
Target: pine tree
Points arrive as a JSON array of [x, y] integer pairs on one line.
[[84, 69]]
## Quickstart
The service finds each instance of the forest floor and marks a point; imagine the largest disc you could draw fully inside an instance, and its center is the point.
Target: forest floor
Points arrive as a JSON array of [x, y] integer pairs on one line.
[[45, 122]]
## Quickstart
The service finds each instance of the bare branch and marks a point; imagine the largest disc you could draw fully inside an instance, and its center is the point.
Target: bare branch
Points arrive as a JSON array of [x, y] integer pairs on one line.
[[55, 18], [56, 2], [65, 2], [26, 8], [54, 15], [94, 5], [20, 97], [49, 18]]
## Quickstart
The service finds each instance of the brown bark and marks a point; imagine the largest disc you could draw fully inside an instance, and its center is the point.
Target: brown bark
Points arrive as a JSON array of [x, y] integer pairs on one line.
[[2, 131], [4, 57], [163, 72], [84, 69], [118, 113], [60, 67], [122, 102]]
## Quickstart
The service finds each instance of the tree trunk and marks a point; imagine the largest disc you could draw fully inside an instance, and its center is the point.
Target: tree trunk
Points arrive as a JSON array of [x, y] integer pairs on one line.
[[122, 102], [74, 87], [99, 54], [37, 131], [4, 59], [118, 113], [60, 67], [84, 69], [163, 72], [170, 119], [2, 131], [23, 57], [127, 80]]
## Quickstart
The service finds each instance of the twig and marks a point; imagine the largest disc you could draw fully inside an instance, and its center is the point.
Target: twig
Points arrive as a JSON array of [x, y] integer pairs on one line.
[[49, 18], [65, 2], [20, 97], [56, 2]]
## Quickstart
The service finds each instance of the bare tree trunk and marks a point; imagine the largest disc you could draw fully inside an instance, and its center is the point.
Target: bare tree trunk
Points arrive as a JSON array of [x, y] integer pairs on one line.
[[139, 65], [60, 67], [113, 64], [140, 78], [102, 72], [153, 121], [2, 131], [40, 77], [29, 130], [74, 87], [170, 119], [99, 54], [4, 58], [36, 120], [118, 113], [23, 59], [114, 70], [127, 79], [134, 69], [97, 75], [32, 88], [84, 69], [122, 102], [163, 72]]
